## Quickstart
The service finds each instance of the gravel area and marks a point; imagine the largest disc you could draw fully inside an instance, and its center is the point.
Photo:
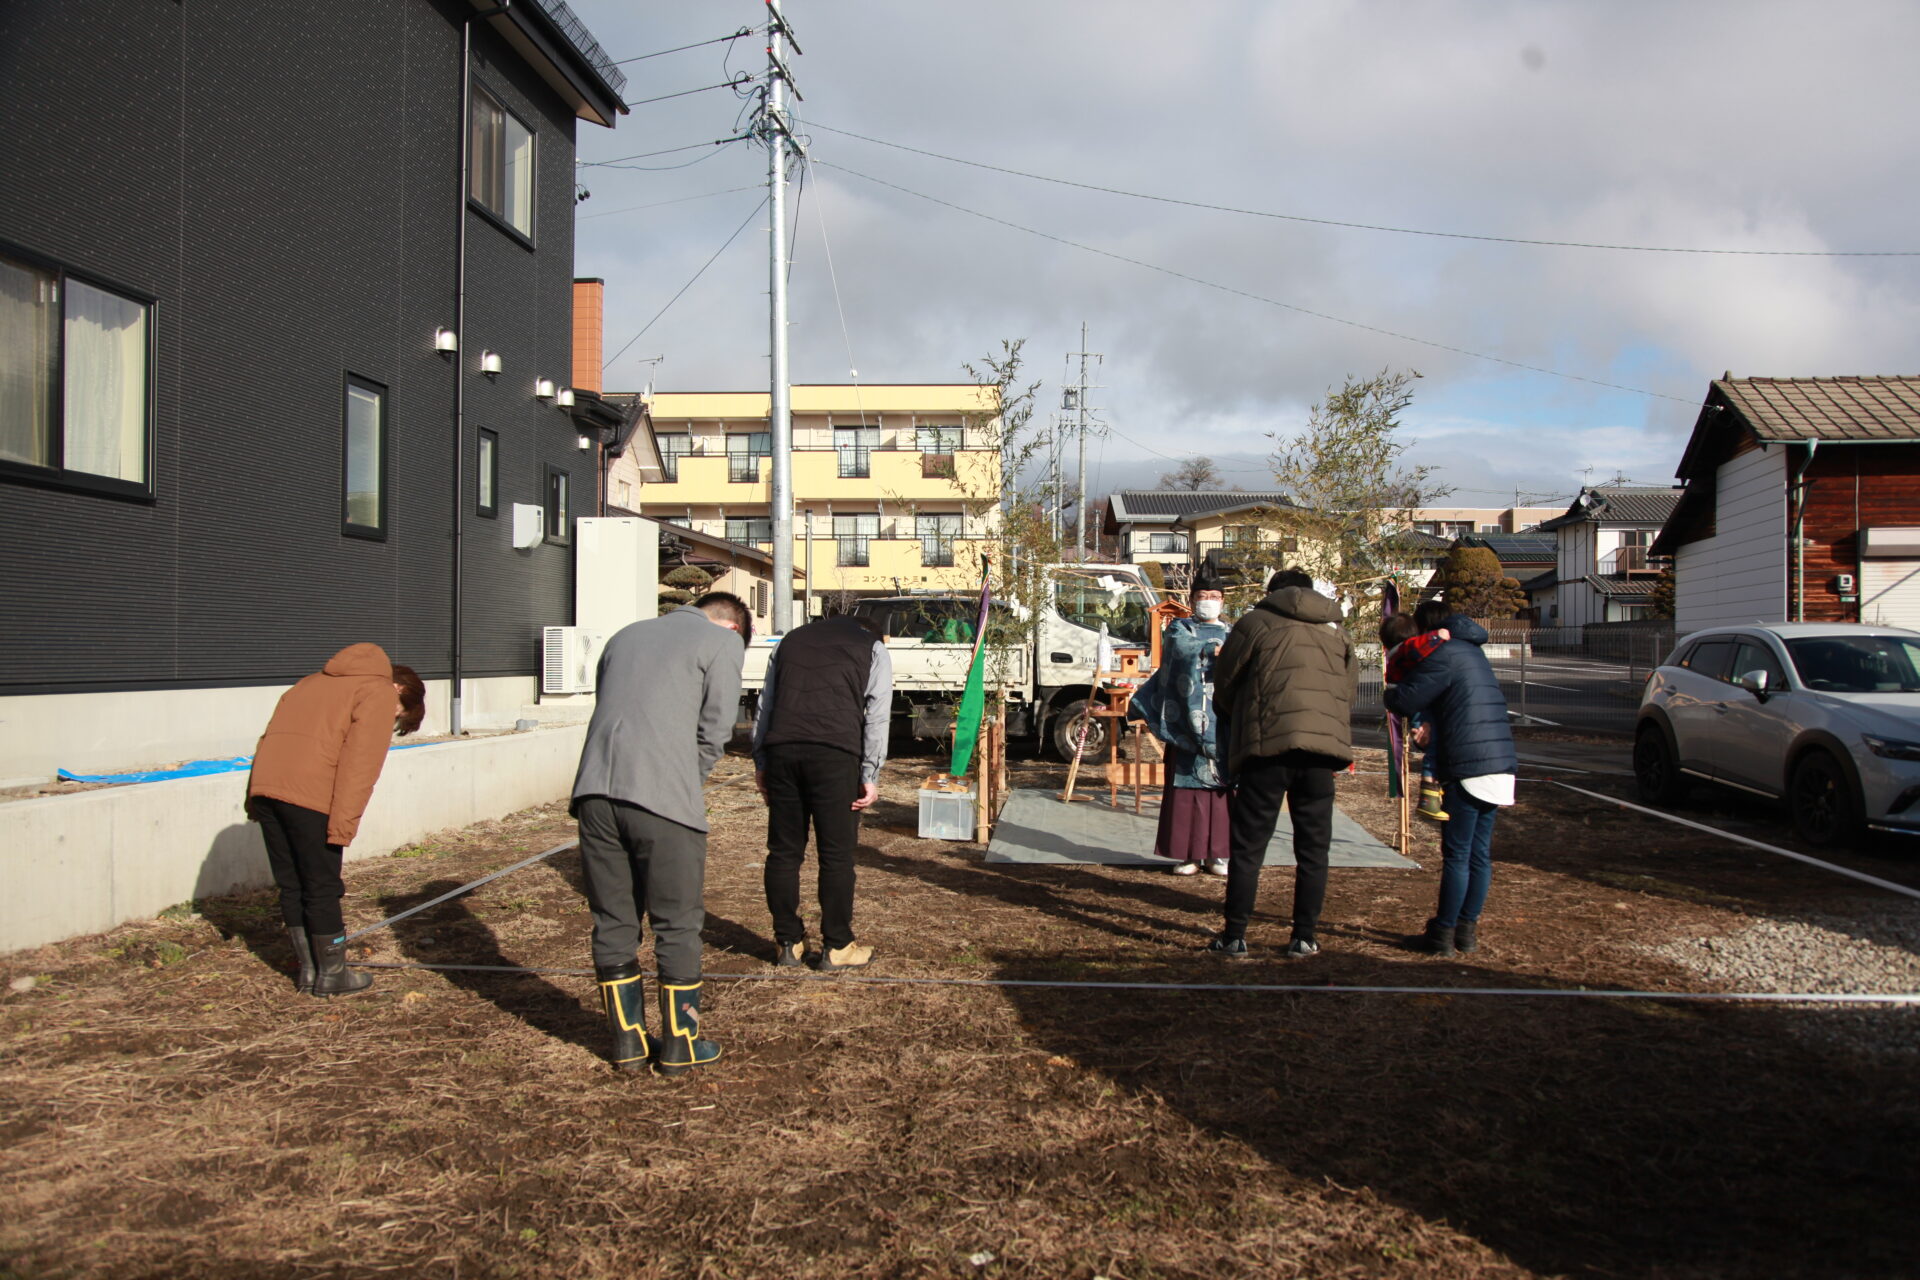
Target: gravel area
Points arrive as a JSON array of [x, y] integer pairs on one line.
[[1875, 951]]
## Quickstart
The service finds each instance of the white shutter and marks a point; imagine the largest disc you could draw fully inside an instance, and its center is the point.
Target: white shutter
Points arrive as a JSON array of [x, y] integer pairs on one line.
[[1890, 593]]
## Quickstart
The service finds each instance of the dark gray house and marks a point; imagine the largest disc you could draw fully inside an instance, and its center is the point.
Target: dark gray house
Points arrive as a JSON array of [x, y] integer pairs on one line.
[[285, 328]]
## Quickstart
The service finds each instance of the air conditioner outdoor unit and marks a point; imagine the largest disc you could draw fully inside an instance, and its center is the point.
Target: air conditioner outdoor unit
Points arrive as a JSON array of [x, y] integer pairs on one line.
[[569, 659]]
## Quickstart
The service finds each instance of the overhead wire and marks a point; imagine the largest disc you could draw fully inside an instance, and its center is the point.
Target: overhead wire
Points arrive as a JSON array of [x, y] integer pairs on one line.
[[608, 363], [833, 280], [617, 161], [1256, 297], [682, 48], [636, 208], [734, 84], [1369, 226]]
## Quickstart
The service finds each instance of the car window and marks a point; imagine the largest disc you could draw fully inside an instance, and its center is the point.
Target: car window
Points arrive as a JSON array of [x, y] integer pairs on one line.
[[1753, 655], [1857, 664], [1709, 658]]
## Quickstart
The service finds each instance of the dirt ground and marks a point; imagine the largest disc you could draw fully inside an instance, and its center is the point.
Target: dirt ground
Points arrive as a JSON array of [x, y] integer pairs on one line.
[[170, 1107]]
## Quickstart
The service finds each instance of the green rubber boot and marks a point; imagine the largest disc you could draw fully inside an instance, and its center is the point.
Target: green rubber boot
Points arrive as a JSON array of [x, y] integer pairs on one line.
[[681, 1048], [624, 998]]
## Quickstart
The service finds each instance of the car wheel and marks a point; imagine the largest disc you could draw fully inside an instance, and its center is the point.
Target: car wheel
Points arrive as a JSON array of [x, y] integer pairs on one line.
[[1656, 773], [1066, 732], [1821, 800]]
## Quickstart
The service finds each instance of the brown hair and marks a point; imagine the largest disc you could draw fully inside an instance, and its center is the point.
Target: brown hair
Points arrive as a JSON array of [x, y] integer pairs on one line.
[[1397, 628], [413, 700]]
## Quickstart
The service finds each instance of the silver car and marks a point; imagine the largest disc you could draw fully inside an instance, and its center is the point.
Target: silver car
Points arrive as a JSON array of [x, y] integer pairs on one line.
[[1824, 715]]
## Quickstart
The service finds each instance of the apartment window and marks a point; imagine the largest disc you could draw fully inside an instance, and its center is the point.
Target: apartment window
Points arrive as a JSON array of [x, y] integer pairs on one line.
[[558, 497], [749, 529], [856, 446], [853, 533], [363, 497], [937, 533], [487, 495], [744, 451], [937, 439], [1455, 528], [501, 163], [75, 389], [673, 447]]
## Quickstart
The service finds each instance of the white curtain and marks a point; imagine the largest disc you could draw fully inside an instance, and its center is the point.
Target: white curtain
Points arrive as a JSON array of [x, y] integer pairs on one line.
[[27, 319], [519, 175], [105, 384]]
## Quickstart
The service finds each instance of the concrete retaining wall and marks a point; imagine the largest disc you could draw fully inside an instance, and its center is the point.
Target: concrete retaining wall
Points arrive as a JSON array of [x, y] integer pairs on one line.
[[79, 864]]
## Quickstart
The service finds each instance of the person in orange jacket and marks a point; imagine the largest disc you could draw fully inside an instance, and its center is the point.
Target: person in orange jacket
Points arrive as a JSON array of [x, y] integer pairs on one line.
[[313, 774]]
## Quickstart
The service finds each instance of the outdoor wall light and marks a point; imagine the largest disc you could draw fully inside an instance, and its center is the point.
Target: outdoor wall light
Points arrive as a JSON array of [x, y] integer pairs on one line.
[[490, 363], [543, 388], [585, 443], [565, 398], [445, 339]]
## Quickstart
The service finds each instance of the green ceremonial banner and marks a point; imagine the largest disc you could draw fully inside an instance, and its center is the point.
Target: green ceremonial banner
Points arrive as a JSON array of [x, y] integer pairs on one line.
[[973, 707]]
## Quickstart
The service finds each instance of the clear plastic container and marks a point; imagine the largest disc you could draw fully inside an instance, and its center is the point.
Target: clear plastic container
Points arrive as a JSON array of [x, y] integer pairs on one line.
[[946, 815]]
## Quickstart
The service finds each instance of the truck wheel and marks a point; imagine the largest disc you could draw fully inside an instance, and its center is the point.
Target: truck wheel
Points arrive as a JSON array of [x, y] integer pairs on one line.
[[1821, 801], [1066, 732]]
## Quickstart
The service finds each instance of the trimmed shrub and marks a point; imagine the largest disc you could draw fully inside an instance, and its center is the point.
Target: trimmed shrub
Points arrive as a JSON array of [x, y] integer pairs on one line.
[[672, 598], [690, 577]]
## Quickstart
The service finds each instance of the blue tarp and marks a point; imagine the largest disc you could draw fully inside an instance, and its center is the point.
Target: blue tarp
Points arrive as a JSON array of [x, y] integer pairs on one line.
[[191, 769]]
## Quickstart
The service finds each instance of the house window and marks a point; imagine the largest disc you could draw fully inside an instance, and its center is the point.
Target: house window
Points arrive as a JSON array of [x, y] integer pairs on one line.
[[501, 163], [487, 496], [75, 390], [937, 439], [363, 497], [749, 528], [1166, 544], [744, 451], [558, 492], [1239, 535], [853, 534], [673, 447], [937, 533], [856, 445]]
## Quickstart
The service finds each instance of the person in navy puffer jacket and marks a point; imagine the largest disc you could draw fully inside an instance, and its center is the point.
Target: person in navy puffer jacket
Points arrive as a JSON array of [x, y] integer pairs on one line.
[[1475, 761]]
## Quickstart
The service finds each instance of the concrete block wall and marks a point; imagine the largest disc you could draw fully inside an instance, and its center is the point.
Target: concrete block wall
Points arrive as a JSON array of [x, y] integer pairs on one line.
[[79, 864]]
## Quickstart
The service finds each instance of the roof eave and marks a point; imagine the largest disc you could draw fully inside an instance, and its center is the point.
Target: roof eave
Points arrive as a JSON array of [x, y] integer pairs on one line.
[[533, 35]]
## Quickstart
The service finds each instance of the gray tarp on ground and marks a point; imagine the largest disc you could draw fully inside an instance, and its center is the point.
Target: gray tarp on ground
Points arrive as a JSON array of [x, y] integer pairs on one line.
[[1036, 827]]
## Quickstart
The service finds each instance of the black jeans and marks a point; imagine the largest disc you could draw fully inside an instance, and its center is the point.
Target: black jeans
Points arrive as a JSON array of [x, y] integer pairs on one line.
[[818, 784], [305, 866], [1305, 781], [637, 863]]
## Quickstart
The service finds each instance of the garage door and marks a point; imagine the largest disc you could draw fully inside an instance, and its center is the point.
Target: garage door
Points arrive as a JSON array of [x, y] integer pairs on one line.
[[1890, 593]]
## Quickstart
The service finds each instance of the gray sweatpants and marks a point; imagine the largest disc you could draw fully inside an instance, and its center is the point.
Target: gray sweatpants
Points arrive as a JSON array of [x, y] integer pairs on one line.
[[638, 863]]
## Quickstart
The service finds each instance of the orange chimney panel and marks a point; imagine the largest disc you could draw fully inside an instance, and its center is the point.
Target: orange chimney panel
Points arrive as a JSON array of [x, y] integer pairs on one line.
[[589, 325]]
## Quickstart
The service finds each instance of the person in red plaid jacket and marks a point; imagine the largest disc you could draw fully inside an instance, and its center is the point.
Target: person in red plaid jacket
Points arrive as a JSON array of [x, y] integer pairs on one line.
[[1407, 646]]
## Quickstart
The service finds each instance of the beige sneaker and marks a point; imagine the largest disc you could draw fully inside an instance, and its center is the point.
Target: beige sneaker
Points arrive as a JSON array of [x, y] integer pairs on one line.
[[851, 956]]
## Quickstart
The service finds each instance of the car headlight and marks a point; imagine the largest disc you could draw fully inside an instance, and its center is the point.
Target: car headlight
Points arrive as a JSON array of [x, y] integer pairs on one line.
[[1891, 748]]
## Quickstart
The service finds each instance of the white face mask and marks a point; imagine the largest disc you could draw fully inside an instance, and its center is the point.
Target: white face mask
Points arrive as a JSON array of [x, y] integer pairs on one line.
[[1207, 610]]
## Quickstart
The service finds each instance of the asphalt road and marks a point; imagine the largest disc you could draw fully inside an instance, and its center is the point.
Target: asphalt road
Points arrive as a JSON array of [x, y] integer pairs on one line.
[[1550, 692]]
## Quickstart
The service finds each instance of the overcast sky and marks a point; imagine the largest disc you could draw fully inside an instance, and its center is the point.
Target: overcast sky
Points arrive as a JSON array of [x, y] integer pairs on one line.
[[1700, 125]]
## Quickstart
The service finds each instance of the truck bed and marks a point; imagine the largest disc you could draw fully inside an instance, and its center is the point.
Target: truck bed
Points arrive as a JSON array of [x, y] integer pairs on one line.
[[918, 667]]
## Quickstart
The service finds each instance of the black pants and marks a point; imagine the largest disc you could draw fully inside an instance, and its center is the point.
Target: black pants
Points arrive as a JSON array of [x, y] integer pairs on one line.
[[818, 784], [1305, 782], [305, 866], [637, 863]]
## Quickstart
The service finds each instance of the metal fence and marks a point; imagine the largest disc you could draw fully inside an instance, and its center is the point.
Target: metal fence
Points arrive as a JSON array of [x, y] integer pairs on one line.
[[1560, 677]]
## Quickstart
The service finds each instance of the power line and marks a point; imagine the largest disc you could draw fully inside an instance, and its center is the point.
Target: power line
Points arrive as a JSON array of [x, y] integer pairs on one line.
[[734, 84], [635, 208], [661, 53], [1368, 226], [608, 364], [1272, 302], [647, 155]]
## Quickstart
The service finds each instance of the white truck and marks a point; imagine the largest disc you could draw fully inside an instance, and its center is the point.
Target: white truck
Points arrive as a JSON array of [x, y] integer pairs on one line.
[[1047, 678]]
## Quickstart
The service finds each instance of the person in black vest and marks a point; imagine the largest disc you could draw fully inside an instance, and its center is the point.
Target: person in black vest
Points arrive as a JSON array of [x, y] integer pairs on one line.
[[818, 745]]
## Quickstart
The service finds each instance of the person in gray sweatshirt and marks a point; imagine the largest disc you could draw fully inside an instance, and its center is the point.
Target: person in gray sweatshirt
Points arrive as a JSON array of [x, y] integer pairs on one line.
[[668, 694]]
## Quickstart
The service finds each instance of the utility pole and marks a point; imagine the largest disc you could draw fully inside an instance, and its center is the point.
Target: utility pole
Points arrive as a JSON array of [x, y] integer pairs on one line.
[[1075, 398], [776, 130]]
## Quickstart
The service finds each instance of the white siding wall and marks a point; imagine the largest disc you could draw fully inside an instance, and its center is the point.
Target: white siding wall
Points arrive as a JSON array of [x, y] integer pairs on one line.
[[1738, 575], [1579, 603]]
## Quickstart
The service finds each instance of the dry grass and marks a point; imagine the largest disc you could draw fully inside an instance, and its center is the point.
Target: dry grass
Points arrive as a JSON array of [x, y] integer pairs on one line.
[[172, 1108]]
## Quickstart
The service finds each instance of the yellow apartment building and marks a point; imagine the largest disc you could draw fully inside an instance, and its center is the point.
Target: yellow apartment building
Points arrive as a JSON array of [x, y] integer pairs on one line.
[[896, 487]]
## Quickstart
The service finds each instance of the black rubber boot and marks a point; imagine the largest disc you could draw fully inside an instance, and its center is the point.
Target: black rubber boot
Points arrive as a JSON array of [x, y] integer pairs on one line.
[[1466, 936], [1436, 940], [624, 998], [303, 952], [331, 976], [681, 1049]]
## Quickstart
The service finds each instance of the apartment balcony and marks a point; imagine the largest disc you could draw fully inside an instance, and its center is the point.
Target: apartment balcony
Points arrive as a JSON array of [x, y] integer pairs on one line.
[[851, 475], [1630, 560]]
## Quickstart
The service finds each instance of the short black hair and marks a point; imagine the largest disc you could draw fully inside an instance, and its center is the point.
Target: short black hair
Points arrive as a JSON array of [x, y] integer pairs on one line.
[[1431, 615], [1397, 628], [1284, 578], [724, 606]]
